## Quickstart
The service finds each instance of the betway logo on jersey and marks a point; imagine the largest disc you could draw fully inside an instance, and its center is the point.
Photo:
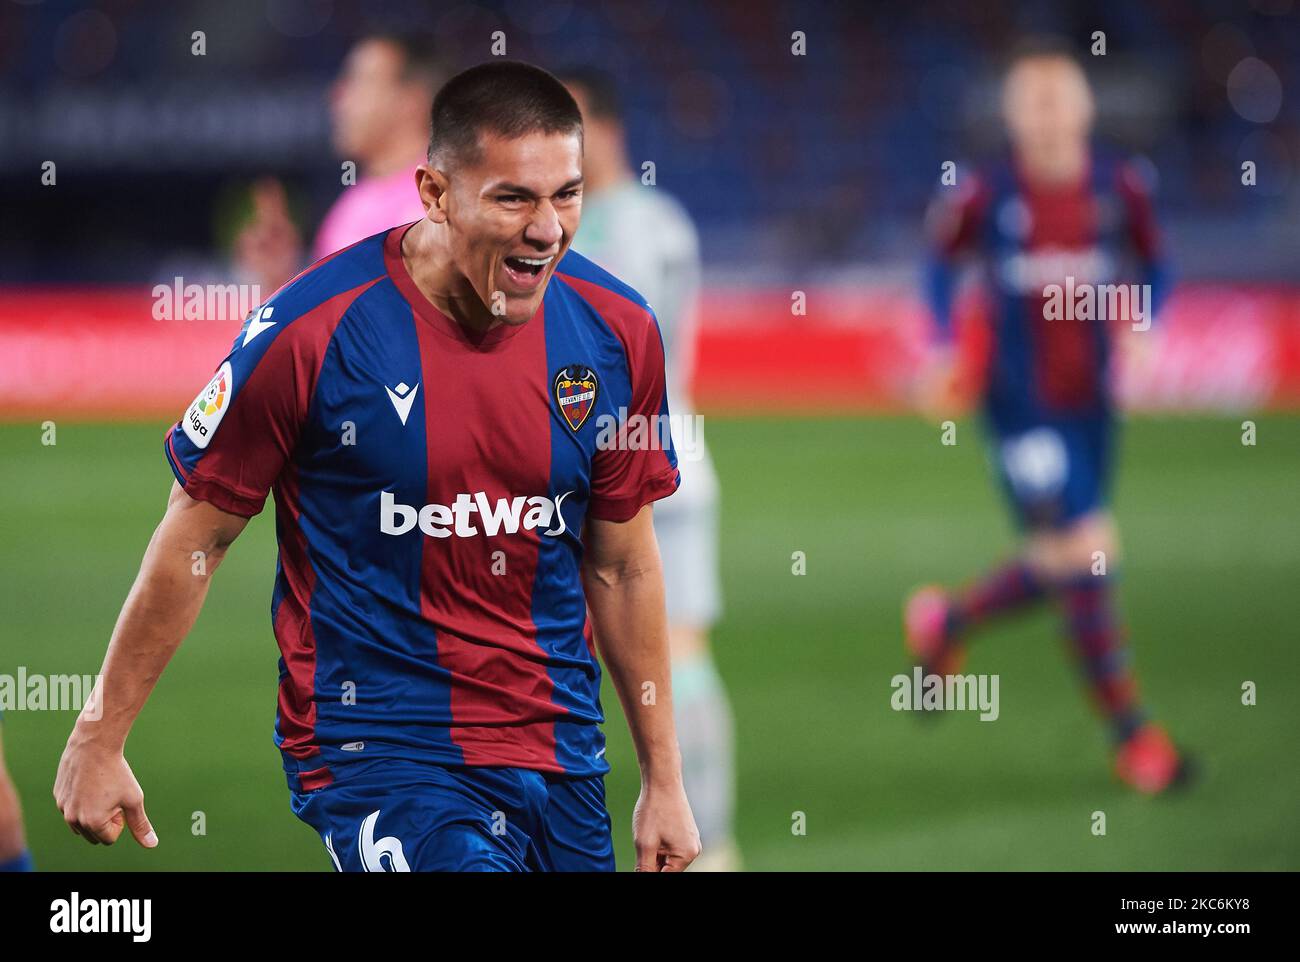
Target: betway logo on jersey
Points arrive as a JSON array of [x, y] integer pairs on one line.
[[1028, 272], [470, 515]]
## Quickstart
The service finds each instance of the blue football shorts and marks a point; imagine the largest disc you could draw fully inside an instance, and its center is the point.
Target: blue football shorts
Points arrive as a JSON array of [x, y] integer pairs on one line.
[[1054, 471], [394, 816]]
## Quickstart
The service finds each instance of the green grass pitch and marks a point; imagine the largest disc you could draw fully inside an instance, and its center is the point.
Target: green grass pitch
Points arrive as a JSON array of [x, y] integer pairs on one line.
[[1210, 588]]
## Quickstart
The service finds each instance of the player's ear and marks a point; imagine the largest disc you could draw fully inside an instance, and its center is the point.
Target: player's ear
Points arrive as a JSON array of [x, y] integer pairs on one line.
[[432, 184]]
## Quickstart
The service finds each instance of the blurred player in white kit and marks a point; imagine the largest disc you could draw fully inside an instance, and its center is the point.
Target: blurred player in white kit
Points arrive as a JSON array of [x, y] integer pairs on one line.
[[642, 235]]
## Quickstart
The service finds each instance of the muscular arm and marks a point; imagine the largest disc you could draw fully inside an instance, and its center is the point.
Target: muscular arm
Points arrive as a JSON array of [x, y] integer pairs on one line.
[[94, 788], [623, 581]]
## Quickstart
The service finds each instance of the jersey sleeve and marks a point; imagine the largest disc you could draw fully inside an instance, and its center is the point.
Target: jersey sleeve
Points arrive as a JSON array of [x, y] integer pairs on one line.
[[956, 216], [638, 464], [1136, 187], [235, 438], [952, 225]]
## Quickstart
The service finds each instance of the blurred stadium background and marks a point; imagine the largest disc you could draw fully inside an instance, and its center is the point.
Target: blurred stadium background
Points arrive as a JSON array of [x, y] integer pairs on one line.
[[804, 173]]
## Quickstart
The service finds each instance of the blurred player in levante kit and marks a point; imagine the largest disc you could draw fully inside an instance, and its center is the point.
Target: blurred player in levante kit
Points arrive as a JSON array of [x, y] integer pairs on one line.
[[643, 236], [379, 109], [14, 856], [1059, 208], [427, 407]]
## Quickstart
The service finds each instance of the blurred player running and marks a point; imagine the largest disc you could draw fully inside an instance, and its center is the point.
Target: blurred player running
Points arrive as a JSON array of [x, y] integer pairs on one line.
[[646, 238], [14, 856], [1058, 209], [427, 406], [379, 112]]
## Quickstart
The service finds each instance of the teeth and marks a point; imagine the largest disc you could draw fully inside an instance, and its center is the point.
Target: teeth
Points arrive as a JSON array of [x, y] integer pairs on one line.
[[535, 261]]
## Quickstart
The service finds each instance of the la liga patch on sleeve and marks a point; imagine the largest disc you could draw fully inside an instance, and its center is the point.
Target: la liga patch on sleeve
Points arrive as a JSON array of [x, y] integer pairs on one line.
[[201, 420]]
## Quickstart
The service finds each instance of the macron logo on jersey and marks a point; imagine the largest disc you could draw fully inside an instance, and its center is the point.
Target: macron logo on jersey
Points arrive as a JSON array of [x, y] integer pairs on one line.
[[258, 323], [504, 516], [402, 398]]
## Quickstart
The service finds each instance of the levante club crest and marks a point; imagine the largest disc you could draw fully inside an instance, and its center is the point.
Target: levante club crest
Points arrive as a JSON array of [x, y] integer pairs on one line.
[[575, 393]]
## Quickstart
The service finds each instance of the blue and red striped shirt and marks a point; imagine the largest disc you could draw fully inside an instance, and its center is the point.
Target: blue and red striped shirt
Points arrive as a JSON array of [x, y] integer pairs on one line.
[[1098, 231], [431, 488]]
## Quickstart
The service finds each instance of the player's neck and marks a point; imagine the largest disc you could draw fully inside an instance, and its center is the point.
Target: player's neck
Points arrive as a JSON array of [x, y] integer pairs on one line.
[[428, 261], [1055, 168]]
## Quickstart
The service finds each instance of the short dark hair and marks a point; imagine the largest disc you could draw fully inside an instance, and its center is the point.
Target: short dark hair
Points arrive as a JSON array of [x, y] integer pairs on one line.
[[508, 98], [421, 59], [599, 88]]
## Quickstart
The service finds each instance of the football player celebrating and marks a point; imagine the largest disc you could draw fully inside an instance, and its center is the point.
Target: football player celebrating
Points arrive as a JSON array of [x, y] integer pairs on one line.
[[441, 412], [1059, 213]]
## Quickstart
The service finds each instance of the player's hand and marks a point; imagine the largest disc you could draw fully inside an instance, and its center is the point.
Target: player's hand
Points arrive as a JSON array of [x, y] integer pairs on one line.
[[98, 795], [938, 391], [663, 829], [269, 247], [1138, 350]]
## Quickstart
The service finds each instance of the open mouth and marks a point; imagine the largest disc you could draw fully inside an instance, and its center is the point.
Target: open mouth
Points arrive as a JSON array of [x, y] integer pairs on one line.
[[526, 271]]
